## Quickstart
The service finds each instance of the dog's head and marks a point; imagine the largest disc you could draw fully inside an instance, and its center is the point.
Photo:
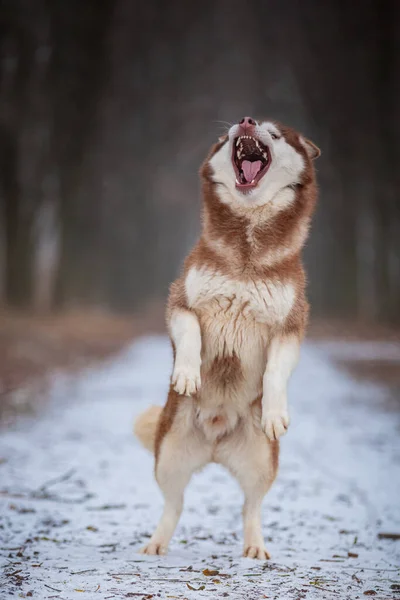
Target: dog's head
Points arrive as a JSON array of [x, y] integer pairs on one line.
[[257, 160]]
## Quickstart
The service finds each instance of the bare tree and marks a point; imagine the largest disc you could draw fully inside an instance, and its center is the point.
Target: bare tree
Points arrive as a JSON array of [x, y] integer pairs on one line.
[[107, 110]]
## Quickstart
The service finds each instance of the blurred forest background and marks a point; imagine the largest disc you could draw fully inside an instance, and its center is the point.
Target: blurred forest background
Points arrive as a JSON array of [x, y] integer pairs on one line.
[[107, 109]]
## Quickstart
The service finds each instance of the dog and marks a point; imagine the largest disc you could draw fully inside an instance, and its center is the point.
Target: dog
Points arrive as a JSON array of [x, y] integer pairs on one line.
[[236, 318]]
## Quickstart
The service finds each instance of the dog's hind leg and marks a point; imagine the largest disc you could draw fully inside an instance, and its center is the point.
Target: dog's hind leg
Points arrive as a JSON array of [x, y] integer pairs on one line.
[[252, 459], [178, 458]]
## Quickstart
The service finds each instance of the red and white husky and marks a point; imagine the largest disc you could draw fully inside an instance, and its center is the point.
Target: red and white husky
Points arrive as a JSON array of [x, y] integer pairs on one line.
[[236, 318]]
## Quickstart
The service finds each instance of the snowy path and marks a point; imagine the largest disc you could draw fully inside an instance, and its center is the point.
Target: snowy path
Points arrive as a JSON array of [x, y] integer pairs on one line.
[[79, 499]]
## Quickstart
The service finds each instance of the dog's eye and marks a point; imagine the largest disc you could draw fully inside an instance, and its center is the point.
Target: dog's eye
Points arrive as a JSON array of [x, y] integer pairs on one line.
[[273, 135]]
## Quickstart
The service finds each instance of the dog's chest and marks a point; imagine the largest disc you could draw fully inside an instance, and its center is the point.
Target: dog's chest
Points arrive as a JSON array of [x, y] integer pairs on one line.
[[227, 300]]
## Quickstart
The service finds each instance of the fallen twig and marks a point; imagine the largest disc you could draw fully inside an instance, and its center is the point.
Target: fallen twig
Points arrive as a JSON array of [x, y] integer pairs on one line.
[[160, 580], [51, 588], [59, 479], [144, 594], [82, 572], [177, 567], [332, 560], [136, 561], [8, 494], [321, 588], [13, 574], [107, 507], [119, 574], [37, 495], [360, 568], [389, 536]]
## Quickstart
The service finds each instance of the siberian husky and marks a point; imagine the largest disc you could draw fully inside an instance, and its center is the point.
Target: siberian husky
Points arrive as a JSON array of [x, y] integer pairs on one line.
[[236, 318]]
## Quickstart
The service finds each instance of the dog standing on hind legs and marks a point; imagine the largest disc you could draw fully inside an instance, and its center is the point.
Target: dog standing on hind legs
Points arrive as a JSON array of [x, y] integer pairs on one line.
[[236, 318]]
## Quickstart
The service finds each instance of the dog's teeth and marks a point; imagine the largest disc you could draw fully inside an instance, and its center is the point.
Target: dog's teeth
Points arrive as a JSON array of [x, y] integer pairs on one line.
[[265, 155], [237, 181]]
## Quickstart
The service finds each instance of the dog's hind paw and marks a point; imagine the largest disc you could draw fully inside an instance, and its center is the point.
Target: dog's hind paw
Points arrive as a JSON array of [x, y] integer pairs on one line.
[[258, 552], [153, 548]]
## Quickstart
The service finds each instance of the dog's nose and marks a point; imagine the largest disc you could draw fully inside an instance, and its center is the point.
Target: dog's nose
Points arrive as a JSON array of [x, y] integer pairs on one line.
[[247, 125]]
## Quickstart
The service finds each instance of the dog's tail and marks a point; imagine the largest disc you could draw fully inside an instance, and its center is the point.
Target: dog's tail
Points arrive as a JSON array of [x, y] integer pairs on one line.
[[145, 427]]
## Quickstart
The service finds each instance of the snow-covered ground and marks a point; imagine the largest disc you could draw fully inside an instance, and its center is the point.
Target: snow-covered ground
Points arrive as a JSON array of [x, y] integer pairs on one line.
[[78, 498]]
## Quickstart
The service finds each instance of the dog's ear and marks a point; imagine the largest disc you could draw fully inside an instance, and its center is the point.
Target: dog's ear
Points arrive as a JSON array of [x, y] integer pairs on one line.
[[312, 150]]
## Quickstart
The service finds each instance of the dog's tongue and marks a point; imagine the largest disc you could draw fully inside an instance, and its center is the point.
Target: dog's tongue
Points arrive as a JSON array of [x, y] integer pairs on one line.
[[250, 169]]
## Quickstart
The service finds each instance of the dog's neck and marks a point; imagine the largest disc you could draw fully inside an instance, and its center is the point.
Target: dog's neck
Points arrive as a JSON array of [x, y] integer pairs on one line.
[[257, 237]]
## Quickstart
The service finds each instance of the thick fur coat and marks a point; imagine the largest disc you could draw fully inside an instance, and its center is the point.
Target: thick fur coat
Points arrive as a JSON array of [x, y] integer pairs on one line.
[[236, 317]]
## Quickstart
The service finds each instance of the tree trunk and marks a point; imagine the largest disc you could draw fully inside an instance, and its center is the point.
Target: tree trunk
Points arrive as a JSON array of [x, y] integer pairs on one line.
[[18, 225]]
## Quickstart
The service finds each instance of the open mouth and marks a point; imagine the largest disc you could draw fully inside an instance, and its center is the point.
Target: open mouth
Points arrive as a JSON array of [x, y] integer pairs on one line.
[[251, 160]]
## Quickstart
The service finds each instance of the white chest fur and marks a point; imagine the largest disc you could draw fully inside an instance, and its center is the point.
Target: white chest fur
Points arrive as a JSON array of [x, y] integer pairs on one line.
[[265, 301]]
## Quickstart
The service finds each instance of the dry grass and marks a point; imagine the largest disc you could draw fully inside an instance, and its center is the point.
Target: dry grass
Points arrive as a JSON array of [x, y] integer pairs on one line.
[[386, 372], [352, 330], [379, 369], [33, 347]]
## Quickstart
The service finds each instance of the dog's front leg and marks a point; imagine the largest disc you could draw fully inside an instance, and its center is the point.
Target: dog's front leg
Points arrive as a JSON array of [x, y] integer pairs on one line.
[[186, 337], [283, 354]]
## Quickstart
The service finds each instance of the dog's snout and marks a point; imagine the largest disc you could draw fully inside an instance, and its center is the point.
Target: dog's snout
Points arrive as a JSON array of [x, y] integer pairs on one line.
[[247, 125]]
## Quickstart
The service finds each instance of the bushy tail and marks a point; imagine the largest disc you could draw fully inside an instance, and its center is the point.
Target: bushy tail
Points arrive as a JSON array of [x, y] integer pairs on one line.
[[146, 425]]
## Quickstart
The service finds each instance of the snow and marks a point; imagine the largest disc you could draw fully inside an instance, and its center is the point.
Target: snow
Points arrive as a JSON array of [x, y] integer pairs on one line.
[[78, 496]]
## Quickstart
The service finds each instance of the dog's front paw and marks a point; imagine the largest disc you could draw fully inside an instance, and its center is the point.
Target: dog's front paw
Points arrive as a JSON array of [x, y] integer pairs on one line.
[[274, 423], [259, 552], [186, 380], [153, 548]]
